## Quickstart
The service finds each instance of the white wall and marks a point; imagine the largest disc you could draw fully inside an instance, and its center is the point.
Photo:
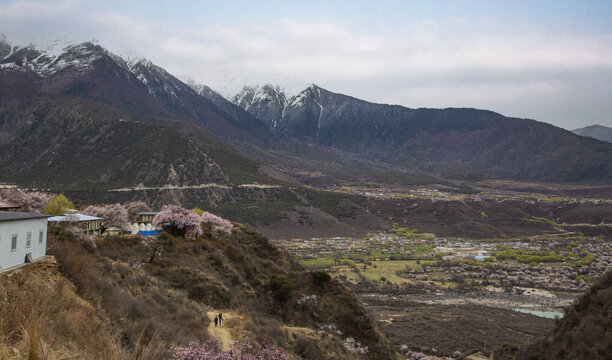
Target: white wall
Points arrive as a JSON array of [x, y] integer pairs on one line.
[[10, 258]]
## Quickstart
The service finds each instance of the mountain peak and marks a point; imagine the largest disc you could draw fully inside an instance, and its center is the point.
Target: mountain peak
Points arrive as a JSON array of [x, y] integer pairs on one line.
[[49, 61], [265, 102], [141, 61]]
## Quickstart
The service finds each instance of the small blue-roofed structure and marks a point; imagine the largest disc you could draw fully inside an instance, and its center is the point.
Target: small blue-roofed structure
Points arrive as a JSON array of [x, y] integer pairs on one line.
[[149, 232], [146, 217], [91, 224]]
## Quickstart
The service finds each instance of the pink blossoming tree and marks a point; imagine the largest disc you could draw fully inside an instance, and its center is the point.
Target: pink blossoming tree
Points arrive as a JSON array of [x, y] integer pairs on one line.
[[114, 215], [71, 224], [31, 201], [135, 207], [178, 220], [218, 225]]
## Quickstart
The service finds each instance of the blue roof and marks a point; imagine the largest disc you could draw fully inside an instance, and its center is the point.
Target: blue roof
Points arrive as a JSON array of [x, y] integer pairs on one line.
[[78, 217]]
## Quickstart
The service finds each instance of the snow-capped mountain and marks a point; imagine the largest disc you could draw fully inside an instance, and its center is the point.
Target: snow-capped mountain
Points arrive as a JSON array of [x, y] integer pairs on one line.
[[76, 58], [232, 112], [158, 80], [303, 115], [267, 102], [137, 86], [463, 141]]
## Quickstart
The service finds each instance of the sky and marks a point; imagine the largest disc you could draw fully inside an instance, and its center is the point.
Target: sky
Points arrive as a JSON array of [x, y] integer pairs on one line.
[[545, 60]]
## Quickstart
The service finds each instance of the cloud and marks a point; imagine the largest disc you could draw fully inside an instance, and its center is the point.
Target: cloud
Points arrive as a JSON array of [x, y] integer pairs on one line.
[[423, 64], [33, 10]]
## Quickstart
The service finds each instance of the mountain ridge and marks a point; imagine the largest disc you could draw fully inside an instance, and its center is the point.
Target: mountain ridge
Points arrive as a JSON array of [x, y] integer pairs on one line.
[[598, 132], [453, 142], [137, 86]]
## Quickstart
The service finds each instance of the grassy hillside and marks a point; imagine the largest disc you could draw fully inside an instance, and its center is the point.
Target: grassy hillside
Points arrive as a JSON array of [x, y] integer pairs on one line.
[[55, 323], [265, 293]]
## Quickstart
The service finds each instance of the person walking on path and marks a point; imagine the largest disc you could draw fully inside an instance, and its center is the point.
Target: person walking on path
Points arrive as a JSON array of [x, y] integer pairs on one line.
[[216, 320], [220, 319]]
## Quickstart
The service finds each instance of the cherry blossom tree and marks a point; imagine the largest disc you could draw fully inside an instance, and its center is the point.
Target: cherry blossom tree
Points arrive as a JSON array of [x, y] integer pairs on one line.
[[135, 207], [30, 201], [71, 224], [114, 215], [178, 220], [218, 225]]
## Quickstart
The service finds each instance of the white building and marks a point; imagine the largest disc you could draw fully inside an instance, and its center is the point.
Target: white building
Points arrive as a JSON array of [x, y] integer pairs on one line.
[[21, 234]]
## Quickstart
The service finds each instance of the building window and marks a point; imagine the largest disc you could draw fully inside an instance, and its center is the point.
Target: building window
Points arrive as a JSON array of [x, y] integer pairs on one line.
[[13, 242], [28, 239], [40, 237]]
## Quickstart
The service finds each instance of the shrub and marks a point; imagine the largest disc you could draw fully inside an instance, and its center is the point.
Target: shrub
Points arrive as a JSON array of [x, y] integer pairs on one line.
[[281, 287], [157, 245], [234, 254], [59, 205], [348, 262], [320, 277], [211, 350]]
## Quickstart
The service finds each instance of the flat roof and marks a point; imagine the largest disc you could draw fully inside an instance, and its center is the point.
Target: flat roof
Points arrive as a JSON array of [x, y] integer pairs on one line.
[[77, 217], [147, 213], [12, 215]]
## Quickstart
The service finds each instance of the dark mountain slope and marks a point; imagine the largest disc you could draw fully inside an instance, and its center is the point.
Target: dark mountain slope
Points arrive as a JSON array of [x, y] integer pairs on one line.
[[458, 143], [67, 142], [233, 112], [140, 88], [219, 117], [598, 132], [85, 70]]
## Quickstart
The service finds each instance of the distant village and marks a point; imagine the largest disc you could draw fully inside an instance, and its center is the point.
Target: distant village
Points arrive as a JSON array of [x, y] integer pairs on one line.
[[376, 191], [386, 245]]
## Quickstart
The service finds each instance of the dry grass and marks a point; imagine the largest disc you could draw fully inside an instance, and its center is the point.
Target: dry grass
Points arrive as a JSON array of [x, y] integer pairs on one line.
[[43, 318], [152, 306]]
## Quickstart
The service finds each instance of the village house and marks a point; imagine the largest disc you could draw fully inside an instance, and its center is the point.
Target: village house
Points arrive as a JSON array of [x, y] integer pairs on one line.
[[144, 225], [91, 224], [23, 238], [4, 206], [146, 217]]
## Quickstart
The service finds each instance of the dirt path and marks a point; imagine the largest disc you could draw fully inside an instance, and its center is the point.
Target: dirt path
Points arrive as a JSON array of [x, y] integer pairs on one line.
[[222, 334]]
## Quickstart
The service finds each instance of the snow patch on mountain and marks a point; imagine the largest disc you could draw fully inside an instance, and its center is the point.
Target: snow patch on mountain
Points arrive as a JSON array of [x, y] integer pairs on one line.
[[53, 59]]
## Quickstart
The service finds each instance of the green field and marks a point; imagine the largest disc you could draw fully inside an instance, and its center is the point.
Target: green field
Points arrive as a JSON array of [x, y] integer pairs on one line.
[[318, 263]]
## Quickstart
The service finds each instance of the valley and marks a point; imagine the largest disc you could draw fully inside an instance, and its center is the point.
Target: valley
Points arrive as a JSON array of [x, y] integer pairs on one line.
[[358, 229], [421, 283]]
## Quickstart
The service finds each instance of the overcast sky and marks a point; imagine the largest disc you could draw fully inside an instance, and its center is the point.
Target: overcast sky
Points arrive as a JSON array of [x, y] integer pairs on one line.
[[546, 60]]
